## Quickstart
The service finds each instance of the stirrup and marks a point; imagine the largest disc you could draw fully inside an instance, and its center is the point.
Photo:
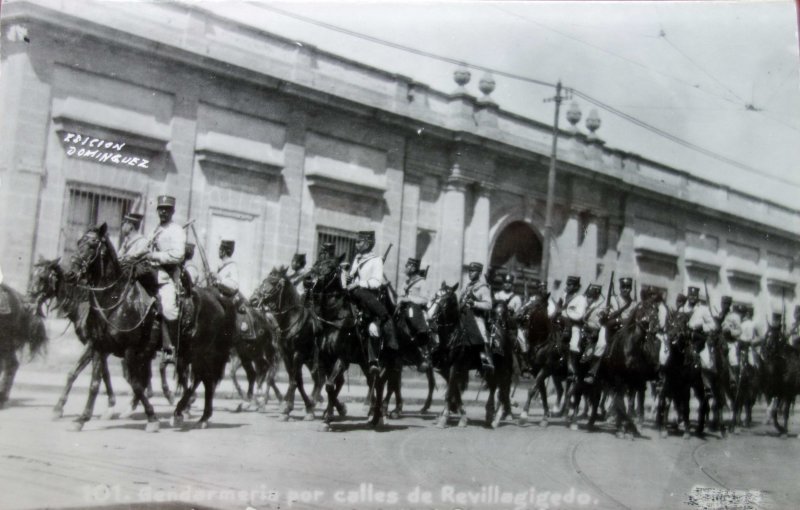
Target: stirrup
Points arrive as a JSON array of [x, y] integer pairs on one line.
[[168, 356]]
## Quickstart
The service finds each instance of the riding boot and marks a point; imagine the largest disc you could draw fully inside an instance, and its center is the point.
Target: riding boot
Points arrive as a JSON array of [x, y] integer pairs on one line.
[[486, 359], [169, 330], [591, 376], [373, 349], [387, 327]]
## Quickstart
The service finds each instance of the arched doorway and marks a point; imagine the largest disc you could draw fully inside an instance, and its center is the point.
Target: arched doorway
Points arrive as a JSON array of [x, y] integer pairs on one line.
[[517, 250]]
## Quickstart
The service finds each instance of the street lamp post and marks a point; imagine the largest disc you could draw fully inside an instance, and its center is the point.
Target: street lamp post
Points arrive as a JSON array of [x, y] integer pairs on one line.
[[551, 188]]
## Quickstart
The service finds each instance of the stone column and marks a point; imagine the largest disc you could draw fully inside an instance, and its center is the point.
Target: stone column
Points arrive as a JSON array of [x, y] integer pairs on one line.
[[564, 251], [587, 253], [408, 227], [295, 200], [25, 110], [476, 236], [451, 255]]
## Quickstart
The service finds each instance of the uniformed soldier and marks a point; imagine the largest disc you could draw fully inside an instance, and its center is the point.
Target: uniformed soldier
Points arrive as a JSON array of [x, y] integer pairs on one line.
[[167, 245], [227, 278], [134, 244], [731, 327], [618, 313], [412, 304], [477, 296], [572, 309], [702, 324], [726, 302], [794, 333], [365, 281], [507, 294], [748, 337], [298, 274], [593, 320], [680, 301]]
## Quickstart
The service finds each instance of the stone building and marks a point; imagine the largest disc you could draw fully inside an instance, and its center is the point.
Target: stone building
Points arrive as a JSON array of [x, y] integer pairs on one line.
[[280, 146]]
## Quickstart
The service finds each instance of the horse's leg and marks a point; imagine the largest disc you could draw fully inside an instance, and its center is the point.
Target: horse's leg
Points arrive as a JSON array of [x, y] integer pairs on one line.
[[86, 357], [396, 382], [307, 401], [10, 371], [236, 363], [94, 388], [490, 407], [327, 416], [377, 415], [786, 408], [431, 386], [288, 397], [640, 394], [209, 386], [110, 413], [183, 403], [702, 397], [250, 371]]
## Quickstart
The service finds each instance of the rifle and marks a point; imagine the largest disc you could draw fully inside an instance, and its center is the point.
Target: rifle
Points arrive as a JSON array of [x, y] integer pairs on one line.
[[203, 258], [386, 253], [783, 312], [610, 290], [708, 299]]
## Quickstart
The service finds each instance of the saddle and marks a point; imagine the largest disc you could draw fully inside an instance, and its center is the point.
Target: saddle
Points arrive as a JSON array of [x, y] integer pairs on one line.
[[246, 324]]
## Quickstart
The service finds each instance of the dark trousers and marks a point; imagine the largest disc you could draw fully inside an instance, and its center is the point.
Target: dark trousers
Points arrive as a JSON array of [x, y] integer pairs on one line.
[[415, 319], [368, 301]]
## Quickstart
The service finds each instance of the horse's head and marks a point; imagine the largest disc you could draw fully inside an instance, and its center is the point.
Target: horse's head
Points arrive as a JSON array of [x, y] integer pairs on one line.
[[444, 305], [45, 282], [275, 291], [95, 255], [327, 275]]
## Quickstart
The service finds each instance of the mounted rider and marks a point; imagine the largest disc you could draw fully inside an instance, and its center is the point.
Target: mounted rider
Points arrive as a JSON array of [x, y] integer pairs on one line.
[[794, 332], [515, 310], [411, 305], [226, 279], [477, 297], [322, 266], [731, 327], [748, 337], [570, 312], [167, 245], [702, 324], [365, 283], [593, 321], [133, 244], [298, 274]]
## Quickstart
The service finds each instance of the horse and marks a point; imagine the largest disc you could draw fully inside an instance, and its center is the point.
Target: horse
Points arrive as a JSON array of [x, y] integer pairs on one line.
[[121, 317], [48, 284], [342, 336], [458, 353], [22, 327], [744, 388], [545, 355], [780, 376], [255, 350], [296, 336], [681, 375]]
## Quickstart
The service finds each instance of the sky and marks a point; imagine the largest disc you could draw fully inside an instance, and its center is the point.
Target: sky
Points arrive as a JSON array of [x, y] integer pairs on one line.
[[722, 75]]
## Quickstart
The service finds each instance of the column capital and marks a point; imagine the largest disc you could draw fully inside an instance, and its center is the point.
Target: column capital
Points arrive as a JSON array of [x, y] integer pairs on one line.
[[456, 181], [484, 188]]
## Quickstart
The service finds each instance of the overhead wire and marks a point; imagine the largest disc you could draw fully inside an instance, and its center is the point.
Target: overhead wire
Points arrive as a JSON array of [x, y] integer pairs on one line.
[[528, 79]]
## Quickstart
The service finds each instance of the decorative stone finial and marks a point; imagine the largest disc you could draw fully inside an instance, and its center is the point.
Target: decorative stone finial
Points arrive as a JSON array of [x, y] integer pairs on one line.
[[574, 115], [487, 85], [461, 76], [593, 122]]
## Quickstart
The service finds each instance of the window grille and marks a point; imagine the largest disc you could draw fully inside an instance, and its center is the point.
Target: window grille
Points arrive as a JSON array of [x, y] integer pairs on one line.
[[87, 208], [343, 240]]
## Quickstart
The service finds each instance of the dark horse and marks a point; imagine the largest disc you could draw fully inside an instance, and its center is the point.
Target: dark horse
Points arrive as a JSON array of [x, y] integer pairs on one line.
[[459, 352], [780, 376], [342, 338], [21, 327], [121, 317], [681, 374], [545, 356], [277, 295], [256, 351]]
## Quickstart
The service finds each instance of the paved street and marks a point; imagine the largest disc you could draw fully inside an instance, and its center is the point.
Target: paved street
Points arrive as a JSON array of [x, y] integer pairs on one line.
[[252, 459]]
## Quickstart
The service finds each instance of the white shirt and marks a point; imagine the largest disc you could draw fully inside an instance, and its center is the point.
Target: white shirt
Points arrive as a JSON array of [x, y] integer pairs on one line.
[[732, 323], [413, 291], [700, 317], [574, 307], [228, 276], [514, 301], [593, 311], [367, 270]]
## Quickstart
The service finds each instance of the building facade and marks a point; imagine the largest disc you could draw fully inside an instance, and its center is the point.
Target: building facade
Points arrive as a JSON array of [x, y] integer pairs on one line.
[[281, 146]]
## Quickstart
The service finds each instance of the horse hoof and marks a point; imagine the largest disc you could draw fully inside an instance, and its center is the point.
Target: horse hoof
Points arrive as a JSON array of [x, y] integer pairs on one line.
[[573, 426], [202, 425], [686, 436], [76, 426], [283, 417], [619, 434], [496, 423], [309, 416], [176, 421], [110, 414], [239, 408], [441, 423], [342, 410], [324, 427], [57, 414], [784, 435], [424, 410], [152, 426], [543, 423], [463, 422]]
